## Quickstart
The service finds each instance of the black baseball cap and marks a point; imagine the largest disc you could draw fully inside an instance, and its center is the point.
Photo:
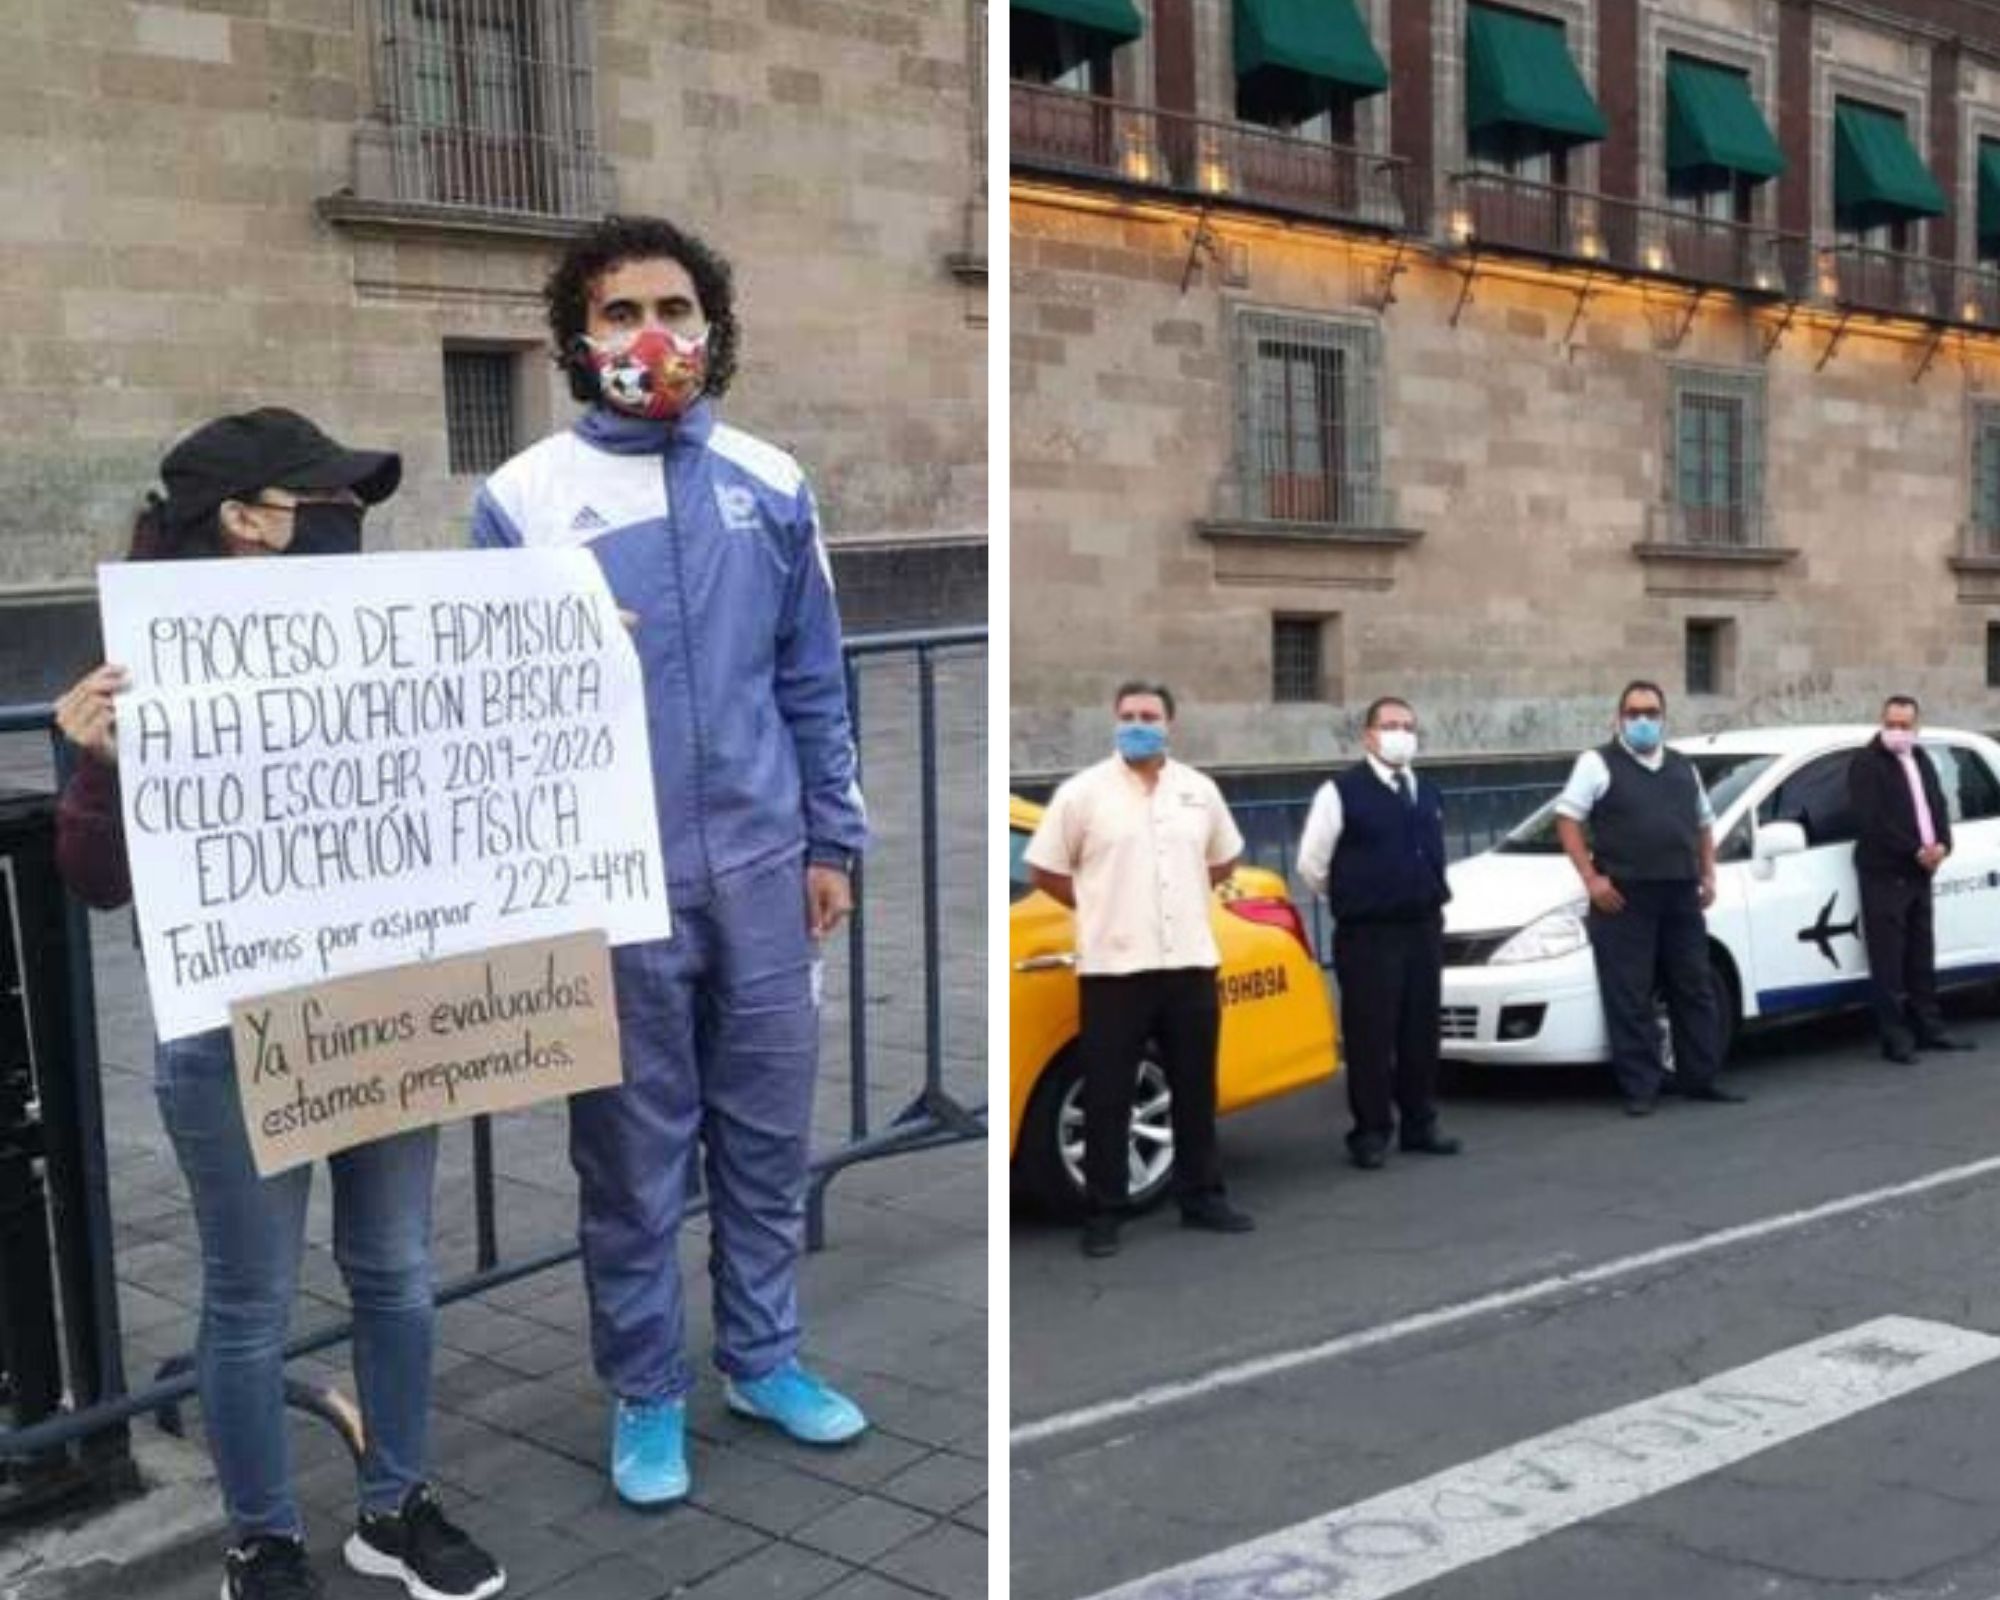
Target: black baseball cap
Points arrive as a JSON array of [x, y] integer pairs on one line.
[[234, 458]]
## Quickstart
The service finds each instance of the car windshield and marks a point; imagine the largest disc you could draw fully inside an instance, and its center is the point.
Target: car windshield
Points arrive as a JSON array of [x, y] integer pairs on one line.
[[1018, 886], [1724, 776]]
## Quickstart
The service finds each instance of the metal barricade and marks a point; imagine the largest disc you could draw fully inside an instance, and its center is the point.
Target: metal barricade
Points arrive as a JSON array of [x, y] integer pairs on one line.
[[933, 1117], [1476, 817]]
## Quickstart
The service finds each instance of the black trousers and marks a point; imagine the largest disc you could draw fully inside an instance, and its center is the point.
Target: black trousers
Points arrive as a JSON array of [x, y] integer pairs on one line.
[[1390, 975], [1898, 925], [1657, 946], [1178, 1011]]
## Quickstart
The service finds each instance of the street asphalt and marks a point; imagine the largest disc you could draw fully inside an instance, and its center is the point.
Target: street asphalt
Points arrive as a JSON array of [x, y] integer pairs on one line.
[[1194, 1396]]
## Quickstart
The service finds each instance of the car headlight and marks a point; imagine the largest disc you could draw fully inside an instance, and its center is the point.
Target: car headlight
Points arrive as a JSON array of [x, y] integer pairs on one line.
[[1562, 932]]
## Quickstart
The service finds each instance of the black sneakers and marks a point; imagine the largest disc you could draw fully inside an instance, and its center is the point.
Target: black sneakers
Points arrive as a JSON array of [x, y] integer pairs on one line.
[[430, 1557], [269, 1567]]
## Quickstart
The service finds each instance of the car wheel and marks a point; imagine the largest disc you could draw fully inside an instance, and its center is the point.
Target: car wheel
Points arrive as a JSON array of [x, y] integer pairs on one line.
[[1051, 1154], [1729, 1003]]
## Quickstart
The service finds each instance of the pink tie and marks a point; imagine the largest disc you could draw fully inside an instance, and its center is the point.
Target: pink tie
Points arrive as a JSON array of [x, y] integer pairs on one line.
[[1926, 829]]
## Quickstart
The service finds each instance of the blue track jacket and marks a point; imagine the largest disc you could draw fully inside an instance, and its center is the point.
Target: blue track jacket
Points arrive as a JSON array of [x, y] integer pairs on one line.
[[711, 536]]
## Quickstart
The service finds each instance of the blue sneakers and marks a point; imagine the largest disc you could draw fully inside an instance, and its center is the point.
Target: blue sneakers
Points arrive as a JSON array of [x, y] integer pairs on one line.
[[649, 1451], [798, 1402]]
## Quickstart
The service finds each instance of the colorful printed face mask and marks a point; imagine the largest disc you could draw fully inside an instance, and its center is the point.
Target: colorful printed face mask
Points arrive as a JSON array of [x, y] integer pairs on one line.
[[654, 373]]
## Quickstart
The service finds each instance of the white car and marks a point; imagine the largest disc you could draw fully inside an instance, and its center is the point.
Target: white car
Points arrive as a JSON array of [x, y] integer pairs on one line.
[[1784, 934]]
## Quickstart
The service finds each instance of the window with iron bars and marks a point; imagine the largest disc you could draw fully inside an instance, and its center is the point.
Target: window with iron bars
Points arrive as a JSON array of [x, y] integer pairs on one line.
[[1716, 459], [479, 408], [1297, 663], [1707, 660], [489, 104], [1984, 531], [1309, 420]]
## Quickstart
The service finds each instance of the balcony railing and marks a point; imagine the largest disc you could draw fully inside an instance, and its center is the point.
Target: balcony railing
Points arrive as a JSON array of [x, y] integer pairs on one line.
[[1862, 279], [1063, 133], [1508, 213], [1076, 135]]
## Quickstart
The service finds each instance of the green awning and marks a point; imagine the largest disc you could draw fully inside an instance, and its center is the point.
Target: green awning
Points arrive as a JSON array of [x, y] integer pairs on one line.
[[1118, 20], [1712, 121], [1989, 192], [1518, 70], [1323, 39], [1877, 173]]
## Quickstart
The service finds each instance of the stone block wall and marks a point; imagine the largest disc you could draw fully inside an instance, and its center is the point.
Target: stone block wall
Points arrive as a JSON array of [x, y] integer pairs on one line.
[[164, 257]]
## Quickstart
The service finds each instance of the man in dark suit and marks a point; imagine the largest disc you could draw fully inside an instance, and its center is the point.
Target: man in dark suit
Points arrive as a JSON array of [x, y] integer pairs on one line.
[[1374, 846], [1903, 834]]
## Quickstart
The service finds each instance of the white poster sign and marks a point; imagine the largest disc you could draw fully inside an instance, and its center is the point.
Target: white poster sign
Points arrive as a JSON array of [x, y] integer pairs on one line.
[[332, 765]]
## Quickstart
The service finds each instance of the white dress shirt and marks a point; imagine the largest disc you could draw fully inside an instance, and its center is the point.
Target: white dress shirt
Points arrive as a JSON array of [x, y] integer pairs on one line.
[[1140, 863]]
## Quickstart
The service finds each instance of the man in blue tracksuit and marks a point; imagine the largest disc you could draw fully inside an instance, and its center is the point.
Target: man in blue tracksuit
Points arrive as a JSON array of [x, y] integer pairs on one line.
[[711, 544]]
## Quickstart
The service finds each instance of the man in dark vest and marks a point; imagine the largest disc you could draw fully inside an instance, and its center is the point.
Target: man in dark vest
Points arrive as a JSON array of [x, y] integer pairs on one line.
[[1648, 866], [1902, 835], [1374, 846]]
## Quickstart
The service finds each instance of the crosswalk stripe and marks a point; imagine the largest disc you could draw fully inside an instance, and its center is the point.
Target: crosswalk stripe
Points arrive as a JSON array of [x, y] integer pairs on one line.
[[1514, 1496]]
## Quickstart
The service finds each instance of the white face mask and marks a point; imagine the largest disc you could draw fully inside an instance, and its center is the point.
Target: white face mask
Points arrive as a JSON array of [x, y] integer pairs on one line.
[[1397, 746]]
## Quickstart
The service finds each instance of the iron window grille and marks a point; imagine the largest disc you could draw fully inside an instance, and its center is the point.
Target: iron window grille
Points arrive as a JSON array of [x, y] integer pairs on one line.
[[1716, 459], [489, 104], [1985, 526], [479, 409], [1296, 666], [1704, 657], [1309, 420]]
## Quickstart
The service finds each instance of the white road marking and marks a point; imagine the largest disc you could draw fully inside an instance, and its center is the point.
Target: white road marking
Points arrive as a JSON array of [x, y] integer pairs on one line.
[[1260, 1367], [1508, 1499]]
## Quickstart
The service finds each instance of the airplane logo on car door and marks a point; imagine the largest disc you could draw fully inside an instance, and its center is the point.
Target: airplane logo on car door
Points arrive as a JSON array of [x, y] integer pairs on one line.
[[1826, 930]]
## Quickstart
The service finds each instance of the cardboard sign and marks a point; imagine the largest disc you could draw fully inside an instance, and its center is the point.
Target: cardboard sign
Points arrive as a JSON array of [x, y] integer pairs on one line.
[[337, 1064], [337, 764]]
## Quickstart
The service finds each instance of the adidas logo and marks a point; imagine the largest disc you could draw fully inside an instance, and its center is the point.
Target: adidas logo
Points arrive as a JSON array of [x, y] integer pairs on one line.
[[587, 521]]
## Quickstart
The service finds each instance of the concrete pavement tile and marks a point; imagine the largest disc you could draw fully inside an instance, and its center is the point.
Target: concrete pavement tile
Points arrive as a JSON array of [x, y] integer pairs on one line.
[[948, 1561], [866, 1462], [972, 1514], [686, 1544], [862, 1529], [777, 1503], [939, 1484], [777, 1572], [614, 1577], [871, 1586], [481, 1330], [547, 1352]]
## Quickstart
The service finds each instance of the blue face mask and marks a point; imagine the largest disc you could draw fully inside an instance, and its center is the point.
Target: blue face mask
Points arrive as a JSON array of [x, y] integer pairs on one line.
[[1141, 741], [1643, 734]]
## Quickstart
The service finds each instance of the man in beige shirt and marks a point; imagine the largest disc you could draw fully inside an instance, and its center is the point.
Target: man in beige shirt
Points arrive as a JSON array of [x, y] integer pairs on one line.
[[1135, 844]]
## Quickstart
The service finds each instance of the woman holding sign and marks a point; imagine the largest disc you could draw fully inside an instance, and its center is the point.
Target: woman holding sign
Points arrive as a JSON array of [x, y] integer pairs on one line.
[[270, 483]]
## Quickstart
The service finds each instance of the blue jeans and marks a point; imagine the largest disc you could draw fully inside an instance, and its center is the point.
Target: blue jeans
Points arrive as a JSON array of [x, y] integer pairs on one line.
[[252, 1230], [720, 1034]]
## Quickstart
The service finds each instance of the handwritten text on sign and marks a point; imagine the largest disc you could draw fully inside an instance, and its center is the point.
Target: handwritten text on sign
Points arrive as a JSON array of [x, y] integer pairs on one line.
[[338, 1064], [336, 764]]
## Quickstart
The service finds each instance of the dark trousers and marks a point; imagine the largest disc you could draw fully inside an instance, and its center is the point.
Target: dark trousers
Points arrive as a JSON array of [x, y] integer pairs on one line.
[[1389, 974], [1897, 923], [1657, 946], [1177, 1010]]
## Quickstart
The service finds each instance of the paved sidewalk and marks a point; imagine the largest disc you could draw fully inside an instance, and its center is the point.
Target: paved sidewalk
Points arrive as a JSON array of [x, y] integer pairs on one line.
[[895, 1307]]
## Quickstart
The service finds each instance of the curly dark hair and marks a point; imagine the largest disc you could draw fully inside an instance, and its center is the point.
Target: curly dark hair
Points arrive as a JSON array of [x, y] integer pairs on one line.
[[614, 242]]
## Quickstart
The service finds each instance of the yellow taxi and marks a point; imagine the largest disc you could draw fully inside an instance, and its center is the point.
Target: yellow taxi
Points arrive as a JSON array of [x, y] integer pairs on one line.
[[1277, 1027]]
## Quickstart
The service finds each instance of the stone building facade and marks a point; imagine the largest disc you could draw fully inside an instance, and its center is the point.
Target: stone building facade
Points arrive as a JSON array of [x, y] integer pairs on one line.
[[348, 206], [1409, 359]]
